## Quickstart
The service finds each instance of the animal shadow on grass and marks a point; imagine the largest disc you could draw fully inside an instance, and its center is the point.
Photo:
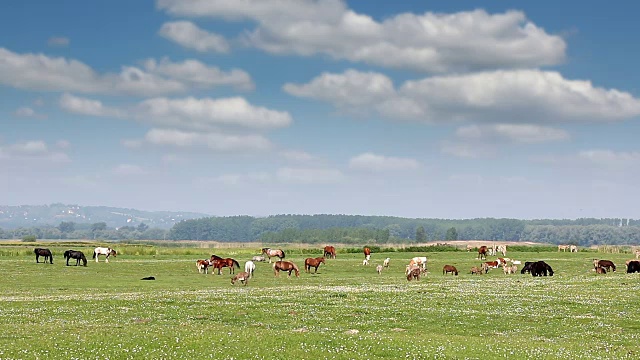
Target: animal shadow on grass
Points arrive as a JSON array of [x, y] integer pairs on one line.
[[148, 278]]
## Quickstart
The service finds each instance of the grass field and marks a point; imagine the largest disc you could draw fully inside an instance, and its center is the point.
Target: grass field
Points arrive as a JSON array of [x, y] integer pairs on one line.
[[346, 311]]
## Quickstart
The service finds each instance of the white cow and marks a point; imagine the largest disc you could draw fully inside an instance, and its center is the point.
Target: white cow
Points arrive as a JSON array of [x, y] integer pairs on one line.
[[385, 263], [249, 267]]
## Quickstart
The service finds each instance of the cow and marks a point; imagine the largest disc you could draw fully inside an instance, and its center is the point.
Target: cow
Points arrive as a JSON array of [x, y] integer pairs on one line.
[[541, 268], [607, 264], [449, 269], [633, 267]]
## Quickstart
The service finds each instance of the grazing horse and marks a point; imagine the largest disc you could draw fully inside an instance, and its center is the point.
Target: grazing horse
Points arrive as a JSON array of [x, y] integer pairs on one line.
[[600, 270], [633, 266], [608, 265], [449, 269], [243, 277], [573, 248], [43, 252], [285, 266], [78, 255], [103, 251], [413, 274], [228, 262], [475, 270], [563, 248], [482, 252], [311, 262], [203, 266], [249, 267], [541, 268], [273, 252], [329, 252]]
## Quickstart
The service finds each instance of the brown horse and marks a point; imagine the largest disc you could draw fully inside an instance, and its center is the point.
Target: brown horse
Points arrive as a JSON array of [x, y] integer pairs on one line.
[[482, 253], [367, 253], [607, 264], [413, 274], [311, 262], [449, 269], [243, 277], [285, 266], [329, 252], [228, 262]]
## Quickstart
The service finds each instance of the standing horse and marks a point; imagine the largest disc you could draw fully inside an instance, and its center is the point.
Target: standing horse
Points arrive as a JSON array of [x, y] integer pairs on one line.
[[78, 255], [482, 252], [103, 251], [249, 268], [273, 252], [311, 262], [43, 252], [329, 252], [243, 277], [449, 269], [285, 266], [203, 266], [228, 262], [367, 253]]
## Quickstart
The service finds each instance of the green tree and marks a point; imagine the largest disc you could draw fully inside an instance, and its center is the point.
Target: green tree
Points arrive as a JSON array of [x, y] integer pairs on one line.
[[99, 226], [142, 227], [452, 234], [421, 235], [67, 226]]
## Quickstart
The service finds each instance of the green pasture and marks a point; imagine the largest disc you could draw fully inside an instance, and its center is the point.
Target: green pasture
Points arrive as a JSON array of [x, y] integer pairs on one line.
[[346, 311]]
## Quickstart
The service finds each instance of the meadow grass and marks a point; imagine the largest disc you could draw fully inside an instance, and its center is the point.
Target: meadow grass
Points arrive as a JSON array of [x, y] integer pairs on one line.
[[346, 311]]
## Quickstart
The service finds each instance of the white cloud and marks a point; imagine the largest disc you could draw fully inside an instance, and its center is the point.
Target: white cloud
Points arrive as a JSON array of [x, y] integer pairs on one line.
[[432, 42], [517, 133], [604, 157], [44, 73], [220, 142], [187, 34], [32, 150], [84, 106], [198, 74], [190, 113], [296, 155], [26, 111], [467, 150], [309, 175], [379, 163], [351, 89], [239, 179], [58, 41], [206, 114], [129, 170], [63, 144], [515, 96]]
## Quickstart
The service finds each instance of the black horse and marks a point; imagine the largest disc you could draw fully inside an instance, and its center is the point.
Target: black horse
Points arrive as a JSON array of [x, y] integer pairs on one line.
[[541, 268], [527, 267], [43, 252], [78, 255], [634, 266]]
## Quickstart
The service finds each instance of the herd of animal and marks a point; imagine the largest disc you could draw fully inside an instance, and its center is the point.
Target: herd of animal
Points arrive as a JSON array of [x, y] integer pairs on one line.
[[416, 268], [76, 255]]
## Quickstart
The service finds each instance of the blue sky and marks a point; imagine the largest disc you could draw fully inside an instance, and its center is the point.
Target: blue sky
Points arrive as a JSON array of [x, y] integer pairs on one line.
[[416, 109]]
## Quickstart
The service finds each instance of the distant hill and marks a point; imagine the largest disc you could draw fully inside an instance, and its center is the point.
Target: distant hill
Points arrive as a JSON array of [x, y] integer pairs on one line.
[[43, 215]]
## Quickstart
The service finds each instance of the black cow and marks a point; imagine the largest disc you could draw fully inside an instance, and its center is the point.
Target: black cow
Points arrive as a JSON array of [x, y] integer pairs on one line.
[[527, 267], [541, 268], [633, 267]]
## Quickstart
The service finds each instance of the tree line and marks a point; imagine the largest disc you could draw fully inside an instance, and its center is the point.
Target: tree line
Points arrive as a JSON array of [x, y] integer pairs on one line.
[[354, 229]]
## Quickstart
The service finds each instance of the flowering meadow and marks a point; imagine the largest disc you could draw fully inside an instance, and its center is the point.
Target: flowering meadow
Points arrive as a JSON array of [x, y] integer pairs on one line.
[[345, 311]]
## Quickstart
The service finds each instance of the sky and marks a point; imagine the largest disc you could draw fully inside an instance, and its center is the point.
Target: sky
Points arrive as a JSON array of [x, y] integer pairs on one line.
[[422, 109]]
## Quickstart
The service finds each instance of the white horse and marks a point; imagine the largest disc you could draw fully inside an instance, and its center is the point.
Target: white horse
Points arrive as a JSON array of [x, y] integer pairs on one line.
[[249, 268], [385, 263], [420, 261], [107, 252]]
